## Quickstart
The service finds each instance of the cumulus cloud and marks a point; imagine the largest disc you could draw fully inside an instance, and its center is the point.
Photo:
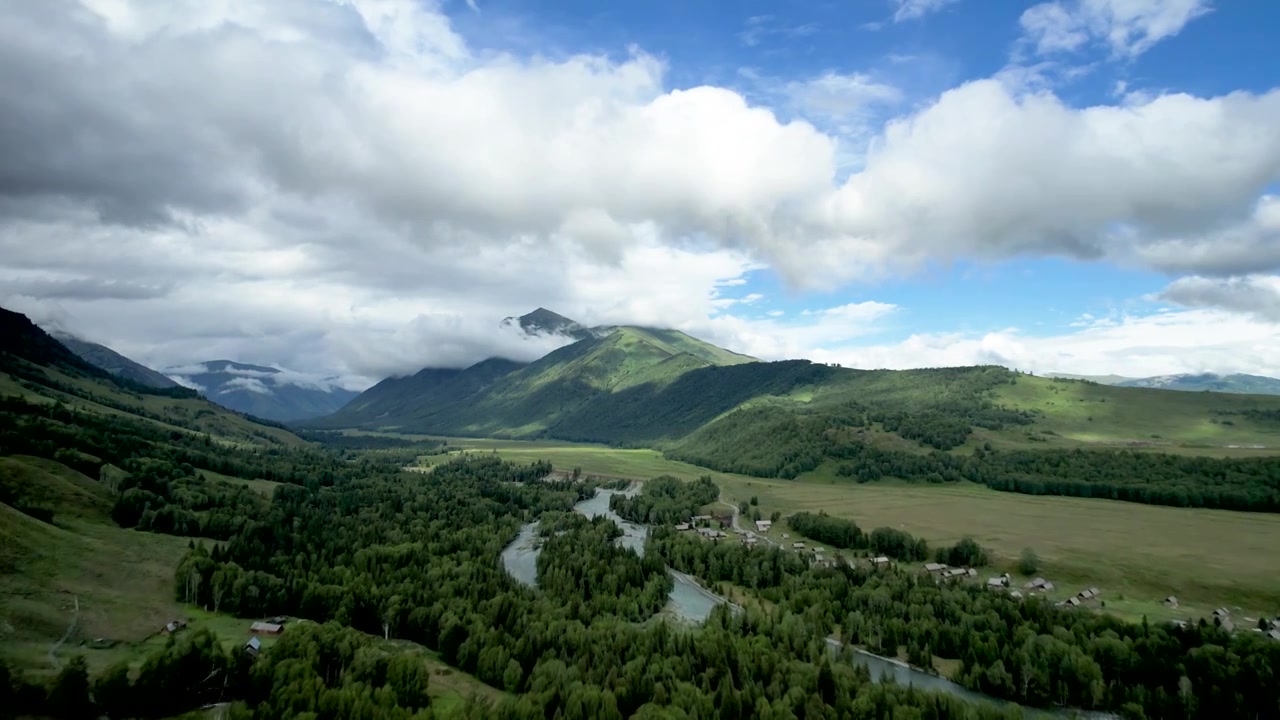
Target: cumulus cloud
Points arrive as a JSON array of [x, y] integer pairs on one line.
[[1180, 341], [1254, 295], [381, 198], [1127, 27], [988, 172]]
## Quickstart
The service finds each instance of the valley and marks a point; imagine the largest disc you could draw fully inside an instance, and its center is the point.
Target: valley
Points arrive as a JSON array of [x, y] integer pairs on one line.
[[128, 507], [1140, 553]]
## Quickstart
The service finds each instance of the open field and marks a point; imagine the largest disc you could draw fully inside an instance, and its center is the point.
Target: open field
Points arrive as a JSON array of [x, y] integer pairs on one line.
[[263, 487], [593, 459], [1137, 554]]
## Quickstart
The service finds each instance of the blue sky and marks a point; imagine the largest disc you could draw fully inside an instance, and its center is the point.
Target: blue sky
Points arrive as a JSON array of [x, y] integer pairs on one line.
[[1085, 186], [756, 47]]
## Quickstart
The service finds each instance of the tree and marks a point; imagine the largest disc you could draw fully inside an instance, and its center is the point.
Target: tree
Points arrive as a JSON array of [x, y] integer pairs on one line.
[[69, 695], [112, 690], [407, 675], [1029, 563]]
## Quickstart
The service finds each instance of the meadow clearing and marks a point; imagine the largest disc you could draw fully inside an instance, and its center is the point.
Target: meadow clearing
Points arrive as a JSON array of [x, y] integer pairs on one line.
[[1137, 554]]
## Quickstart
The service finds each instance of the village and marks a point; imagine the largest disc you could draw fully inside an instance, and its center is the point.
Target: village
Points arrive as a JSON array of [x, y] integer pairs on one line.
[[718, 527]]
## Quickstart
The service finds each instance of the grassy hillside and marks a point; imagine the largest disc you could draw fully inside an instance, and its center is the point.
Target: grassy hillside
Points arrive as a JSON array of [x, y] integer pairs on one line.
[[36, 368], [122, 579]]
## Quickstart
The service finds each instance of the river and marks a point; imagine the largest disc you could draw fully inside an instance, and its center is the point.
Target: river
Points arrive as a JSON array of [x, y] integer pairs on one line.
[[693, 602], [689, 600]]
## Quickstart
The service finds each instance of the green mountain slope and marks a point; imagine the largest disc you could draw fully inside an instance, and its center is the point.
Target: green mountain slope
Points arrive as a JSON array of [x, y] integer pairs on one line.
[[113, 362], [404, 402], [502, 398]]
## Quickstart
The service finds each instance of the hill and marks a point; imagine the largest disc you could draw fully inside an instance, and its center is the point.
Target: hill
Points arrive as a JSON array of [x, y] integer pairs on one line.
[[502, 397], [113, 362], [267, 392]]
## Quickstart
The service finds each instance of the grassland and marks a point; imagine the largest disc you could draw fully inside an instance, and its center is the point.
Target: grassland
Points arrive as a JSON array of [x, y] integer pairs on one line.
[[122, 579], [1077, 414], [1137, 554]]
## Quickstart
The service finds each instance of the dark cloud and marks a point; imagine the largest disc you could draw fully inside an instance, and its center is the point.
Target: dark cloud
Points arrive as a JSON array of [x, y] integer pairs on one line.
[[1259, 296]]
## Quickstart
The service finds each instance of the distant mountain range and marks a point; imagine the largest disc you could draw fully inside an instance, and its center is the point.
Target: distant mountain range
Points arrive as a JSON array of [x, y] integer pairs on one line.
[[1191, 382], [266, 392], [263, 392]]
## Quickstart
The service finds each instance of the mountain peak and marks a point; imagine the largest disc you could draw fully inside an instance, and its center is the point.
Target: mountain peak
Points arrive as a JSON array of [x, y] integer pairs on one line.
[[548, 322]]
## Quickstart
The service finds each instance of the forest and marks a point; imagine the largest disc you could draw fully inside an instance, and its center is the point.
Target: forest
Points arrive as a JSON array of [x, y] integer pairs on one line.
[[846, 535], [666, 500], [416, 557]]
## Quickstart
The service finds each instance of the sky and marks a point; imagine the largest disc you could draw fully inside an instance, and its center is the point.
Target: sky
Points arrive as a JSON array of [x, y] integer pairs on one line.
[[362, 188]]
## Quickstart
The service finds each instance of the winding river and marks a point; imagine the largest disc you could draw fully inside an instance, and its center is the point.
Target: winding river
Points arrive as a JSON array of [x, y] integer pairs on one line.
[[693, 602], [689, 600]]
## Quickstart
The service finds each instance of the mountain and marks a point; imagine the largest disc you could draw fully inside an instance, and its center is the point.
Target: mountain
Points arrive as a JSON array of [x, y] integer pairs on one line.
[[113, 362], [1237, 383], [648, 387], [267, 392], [37, 368], [403, 400], [501, 397], [545, 322]]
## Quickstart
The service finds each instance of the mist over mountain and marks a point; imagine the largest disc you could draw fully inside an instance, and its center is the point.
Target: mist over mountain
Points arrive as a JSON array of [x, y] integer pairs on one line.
[[265, 392]]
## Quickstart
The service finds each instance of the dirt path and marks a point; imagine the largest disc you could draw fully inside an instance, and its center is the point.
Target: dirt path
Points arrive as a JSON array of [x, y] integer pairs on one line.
[[53, 651]]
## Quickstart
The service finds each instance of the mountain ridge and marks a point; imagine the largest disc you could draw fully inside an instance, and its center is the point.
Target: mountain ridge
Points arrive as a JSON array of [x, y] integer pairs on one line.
[[113, 362]]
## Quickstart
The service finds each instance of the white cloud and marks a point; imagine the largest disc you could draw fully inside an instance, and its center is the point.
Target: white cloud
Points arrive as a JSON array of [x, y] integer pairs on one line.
[[1127, 27], [1179, 341], [812, 333], [387, 193], [249, 384], [986, 172], [916, 9]]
